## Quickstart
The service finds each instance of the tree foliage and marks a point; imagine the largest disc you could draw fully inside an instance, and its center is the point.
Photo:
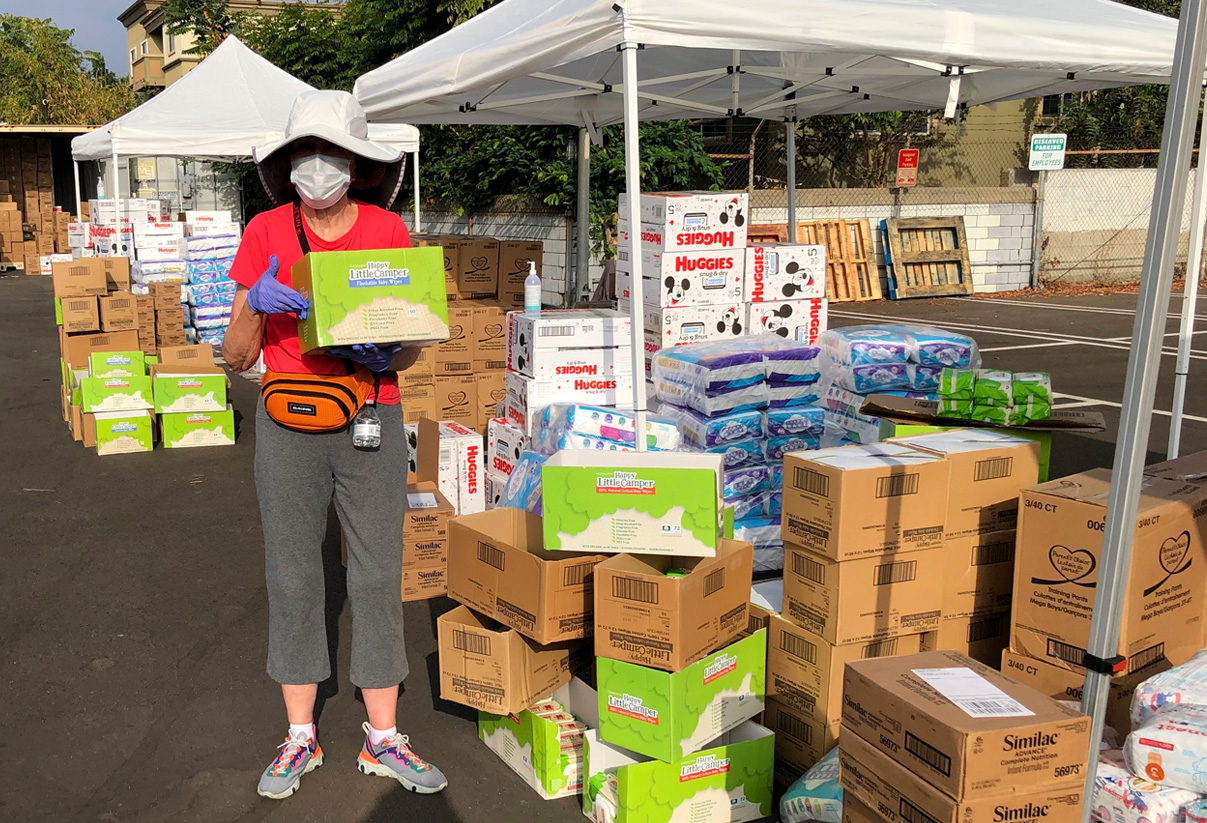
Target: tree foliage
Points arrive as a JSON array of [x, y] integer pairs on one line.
[[47, 81]]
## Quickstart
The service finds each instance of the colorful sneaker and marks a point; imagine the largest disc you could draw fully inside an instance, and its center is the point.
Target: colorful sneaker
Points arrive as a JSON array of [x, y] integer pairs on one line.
[[394, 758], [299, 755]]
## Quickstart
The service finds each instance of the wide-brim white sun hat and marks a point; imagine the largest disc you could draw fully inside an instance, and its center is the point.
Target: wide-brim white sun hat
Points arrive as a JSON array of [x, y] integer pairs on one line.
[[336, 118]]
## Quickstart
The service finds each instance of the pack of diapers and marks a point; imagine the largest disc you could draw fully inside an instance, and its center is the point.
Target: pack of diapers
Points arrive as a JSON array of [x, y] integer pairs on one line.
[[816, 795], [790, 395], [923, 378], [871, 377], [768, 558], [572, 425], [865, 346], [747, 480], [1195, 812], [1123, 797], [1170, 748], [713, 366], [802, 420], [752, 505], [791, 362], [1182, 684], [737, 455], [707, 432], [776, 477], [930, 346], [774, 448], [713, 403], [523, 489]]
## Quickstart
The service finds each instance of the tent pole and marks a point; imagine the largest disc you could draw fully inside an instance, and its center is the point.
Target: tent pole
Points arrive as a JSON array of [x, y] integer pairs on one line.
[[116, 194], [415, 169], [1160, 254], [79, 210], [790, 131], [1190, 299], [582, 224], [632, 187]]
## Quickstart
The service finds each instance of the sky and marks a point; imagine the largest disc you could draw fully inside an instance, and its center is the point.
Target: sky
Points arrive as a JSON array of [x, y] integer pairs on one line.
[[95, 23]]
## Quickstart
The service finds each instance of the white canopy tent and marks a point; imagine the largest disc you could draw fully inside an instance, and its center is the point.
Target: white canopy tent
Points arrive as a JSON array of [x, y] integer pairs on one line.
[[231, 102], [406, 138], [575, 62]]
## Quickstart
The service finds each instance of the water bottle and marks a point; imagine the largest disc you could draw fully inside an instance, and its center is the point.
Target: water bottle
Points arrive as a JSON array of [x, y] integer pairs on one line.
[[366, 428], [532, 290]]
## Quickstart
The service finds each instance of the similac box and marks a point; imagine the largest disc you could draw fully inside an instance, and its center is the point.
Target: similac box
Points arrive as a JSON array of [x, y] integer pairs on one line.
[[683, 278], [783, 271], [800, 320], [690, 221]]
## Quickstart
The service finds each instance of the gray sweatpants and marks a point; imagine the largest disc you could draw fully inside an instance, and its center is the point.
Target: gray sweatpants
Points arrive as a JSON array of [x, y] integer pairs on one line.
[[296, 476]]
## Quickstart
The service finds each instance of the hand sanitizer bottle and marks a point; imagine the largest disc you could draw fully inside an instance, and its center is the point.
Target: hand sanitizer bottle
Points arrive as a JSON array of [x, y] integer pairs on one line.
[[532, 290]]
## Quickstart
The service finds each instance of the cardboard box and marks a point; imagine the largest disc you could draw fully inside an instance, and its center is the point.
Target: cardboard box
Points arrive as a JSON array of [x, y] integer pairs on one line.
[[538, 747], [526, 396], [451, 456], [198, 354], [693, 278], [153, 234], [418, 401], [784, 271], [728, 782], [514, 257], [870, 598], [690, 221], [666, 503], [122, 432], [167, 296], [490, 389], [855, 812], [196, 216], [198, 428], [490, 667], [888, 703], [505, 442], [498, 566], [457, 399], [496, 486], [1189, 468], [188, 388], [455, 355], [644, 617], [80, 314], [425, 541], [489, 338], [106, 394], [800, 741], [447, 243], [422, 371], [880, 783], [117, 274], [78, 349], [801, 320], [983, 637], [670, 715], [804, 670], [380, 296], [117, 312], [678, 325], [1058, 557], [859, 501], [117, 364], [477, 267], [113, 240], [586, 343], [988, 470], [978, 574], [79, 278]]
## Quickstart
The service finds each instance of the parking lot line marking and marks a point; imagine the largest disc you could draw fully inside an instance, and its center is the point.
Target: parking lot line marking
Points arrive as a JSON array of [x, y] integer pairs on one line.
[[1050, 344], [1067, 307], [1089, 401]]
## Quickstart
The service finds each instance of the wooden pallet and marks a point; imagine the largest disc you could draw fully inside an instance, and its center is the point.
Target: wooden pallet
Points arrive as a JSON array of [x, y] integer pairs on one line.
[[926, 257], [851, 273]]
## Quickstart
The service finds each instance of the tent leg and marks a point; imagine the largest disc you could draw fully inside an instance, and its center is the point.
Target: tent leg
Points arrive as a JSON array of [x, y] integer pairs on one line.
[[1160, 254], [415, 182], [790, 133], [116, 193], [632, 185], [79, 210], [582, 224], [1190, 299]]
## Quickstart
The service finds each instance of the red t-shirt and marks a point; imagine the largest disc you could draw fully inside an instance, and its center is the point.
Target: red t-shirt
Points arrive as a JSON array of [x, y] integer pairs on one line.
[[272, 232]]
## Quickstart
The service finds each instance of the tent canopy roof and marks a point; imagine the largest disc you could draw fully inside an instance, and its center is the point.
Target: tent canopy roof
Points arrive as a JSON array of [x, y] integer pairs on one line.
[[552, 62], [231, 102]]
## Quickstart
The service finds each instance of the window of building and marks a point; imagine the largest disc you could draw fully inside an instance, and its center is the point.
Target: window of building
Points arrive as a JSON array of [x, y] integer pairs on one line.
[[133, 56], [715, 132], [142, 47], [1054, 105], [171, 44]]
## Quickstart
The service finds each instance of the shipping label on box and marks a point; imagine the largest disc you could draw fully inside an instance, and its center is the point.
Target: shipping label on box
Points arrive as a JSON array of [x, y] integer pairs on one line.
[[988, 470], [505, 442], [729, 782], [691, 221], [526, 396], [80, 314], [672, 279], [123, 432], [79, 278], [498, 566], [198, 429], [117, 364], [881, 783], [490, 667], [859, 501], [978, 574], [966, 729], [639, 502], [670, 715], [584, 343], [864, 599], [982, 637], [784, 271], [195, 390], [644, 617], [380, 296], [800, 320], [104, 394], [1057, 560]]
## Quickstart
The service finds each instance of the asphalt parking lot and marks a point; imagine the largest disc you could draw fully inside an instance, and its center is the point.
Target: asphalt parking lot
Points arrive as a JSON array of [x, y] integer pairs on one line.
[[133, 618]]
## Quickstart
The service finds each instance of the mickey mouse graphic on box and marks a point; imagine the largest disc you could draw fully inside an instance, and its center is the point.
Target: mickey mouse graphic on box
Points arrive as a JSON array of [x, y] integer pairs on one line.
[[690, 221], [780, 271], [677, 279], [799, 320]]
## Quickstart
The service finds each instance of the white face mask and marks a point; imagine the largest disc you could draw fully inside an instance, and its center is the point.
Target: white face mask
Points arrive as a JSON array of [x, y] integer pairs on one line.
[[320, 179]]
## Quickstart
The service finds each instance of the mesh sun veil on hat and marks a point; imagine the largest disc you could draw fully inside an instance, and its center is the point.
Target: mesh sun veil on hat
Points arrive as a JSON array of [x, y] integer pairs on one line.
[[335, 117]]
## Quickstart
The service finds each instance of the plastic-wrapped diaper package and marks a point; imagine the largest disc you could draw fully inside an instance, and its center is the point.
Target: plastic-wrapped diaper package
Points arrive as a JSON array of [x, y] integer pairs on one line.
[[706, 432], [870, 378], [523, 489], [557, 422], [1035, 387], [774, 448], [776, 478], [930, 346], [1195, 812], [923, 378], [742, 453], [865, 346], [993, 388], [816, 795], [790, 395], [787, 361], [1122, 797], [751, 505], [953, 407], [763, 531], [1182, 684], [713, 366], [1030, 409], [141, 268], [956, 383], [769, 558], [715, 403], [747, 480], [1170, 748], [995, 415], [806, 420], [210, 298]]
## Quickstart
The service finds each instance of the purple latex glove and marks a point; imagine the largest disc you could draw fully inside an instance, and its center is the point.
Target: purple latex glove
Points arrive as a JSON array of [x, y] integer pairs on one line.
[[373, 358], [268, 296]]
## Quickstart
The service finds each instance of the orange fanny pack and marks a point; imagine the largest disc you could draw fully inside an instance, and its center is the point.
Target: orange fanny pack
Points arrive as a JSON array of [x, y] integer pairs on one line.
[[316, 402]]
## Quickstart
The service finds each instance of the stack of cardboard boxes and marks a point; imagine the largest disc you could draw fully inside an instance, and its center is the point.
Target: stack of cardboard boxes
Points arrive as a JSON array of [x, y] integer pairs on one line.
[[890, 549], [32, 231], [700, 280]]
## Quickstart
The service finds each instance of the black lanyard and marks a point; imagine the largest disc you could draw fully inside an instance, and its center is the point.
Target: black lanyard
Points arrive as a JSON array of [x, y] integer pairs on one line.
[[297, 225]]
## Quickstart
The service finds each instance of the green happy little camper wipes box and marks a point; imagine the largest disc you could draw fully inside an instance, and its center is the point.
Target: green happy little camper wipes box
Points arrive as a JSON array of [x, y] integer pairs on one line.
[[728, 782], [381, 296], [199, 428], [665, 503], [117, 364], [669, 715], [104, 394], [189, 388], [123, 432]]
